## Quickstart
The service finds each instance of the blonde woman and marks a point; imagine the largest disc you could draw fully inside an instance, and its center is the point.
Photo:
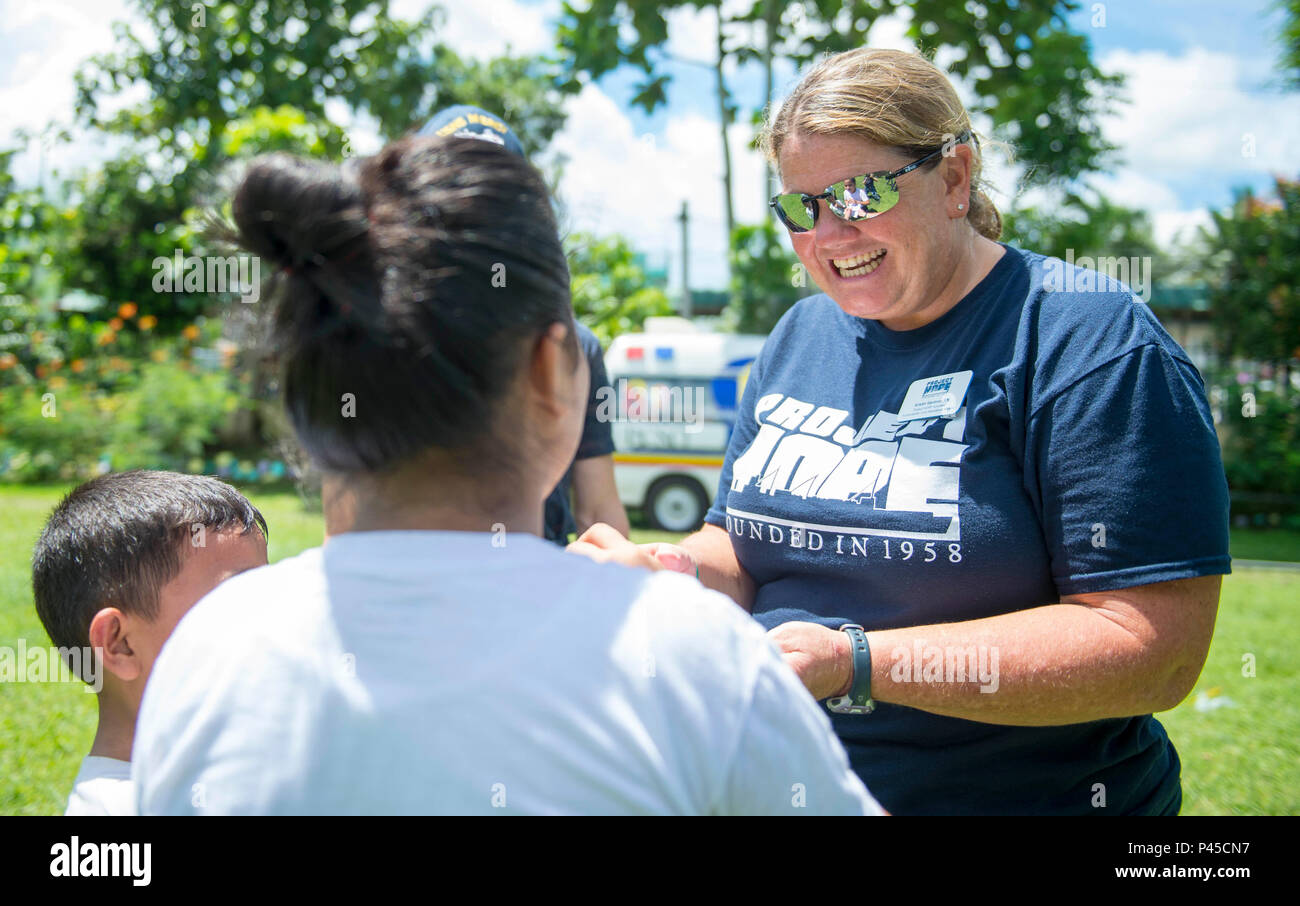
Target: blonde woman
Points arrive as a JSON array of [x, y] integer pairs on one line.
[[984, 517]]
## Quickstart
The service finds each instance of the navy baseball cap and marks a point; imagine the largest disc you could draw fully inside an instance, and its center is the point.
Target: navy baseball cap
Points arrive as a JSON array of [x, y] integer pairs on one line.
[[464, 121]]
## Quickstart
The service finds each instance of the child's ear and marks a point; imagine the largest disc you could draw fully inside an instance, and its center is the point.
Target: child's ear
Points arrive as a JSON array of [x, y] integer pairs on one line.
[[551, 365], [108, 633]]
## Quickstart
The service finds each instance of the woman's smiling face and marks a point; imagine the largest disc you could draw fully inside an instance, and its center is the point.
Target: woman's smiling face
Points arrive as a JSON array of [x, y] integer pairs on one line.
[[894, 267]]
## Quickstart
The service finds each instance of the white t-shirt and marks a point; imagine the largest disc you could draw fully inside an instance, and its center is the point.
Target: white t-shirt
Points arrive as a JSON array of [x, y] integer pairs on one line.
[[103, 787], [433, 672]]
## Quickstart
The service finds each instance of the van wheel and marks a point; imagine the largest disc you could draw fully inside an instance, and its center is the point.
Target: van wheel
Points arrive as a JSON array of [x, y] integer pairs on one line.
[[676, 504]]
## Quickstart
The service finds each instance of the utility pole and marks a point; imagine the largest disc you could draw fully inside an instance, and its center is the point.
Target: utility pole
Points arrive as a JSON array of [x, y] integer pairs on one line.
[[771, 18], [685, 218], [724, 118]]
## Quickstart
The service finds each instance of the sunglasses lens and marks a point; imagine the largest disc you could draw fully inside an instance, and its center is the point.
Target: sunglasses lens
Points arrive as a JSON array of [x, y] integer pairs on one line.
[[794, 213], [886, 194], [863, 197]]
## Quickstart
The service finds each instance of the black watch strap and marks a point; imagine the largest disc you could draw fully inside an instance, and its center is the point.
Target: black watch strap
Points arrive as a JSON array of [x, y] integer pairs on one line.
[[858, 701]]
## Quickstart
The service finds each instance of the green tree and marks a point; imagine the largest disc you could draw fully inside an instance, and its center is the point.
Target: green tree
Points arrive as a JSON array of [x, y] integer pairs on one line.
[[766, 279], [1030, 73], [1261, 451], [215, 80], [1086, 226], [34, 233], [1289, 38], [611, 294], [1254, 300], [202, 66]]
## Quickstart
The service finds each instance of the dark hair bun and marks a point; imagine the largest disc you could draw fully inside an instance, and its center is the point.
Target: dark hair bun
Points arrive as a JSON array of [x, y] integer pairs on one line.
[[295, 212], [415, 277]]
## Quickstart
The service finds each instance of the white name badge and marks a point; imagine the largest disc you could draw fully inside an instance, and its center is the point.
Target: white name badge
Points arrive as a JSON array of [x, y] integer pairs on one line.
[[935, 397]]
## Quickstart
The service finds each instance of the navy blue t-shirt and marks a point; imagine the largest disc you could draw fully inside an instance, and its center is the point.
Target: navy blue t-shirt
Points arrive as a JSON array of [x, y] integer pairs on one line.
[[1081, 458], [597, 440]]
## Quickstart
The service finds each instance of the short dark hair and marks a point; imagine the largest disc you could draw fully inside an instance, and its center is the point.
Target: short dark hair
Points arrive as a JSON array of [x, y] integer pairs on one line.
[[413, 280], [116, 540]]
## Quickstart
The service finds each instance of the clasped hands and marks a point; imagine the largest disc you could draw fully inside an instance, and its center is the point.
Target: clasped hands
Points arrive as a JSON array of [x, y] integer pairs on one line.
[[821, 657]]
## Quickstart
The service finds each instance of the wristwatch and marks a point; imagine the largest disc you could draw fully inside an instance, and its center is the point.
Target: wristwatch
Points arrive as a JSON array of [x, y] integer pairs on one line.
[[858, 701]]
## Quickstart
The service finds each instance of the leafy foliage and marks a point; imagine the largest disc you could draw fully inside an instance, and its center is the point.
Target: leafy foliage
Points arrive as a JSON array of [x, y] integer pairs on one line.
[[202, 66], [610, 292], [227, 81], [766, 279], [221, 83], [1255, 300], [1289, 63], [87, 395], [1261, 453], [1031, 74], [1088, 226]]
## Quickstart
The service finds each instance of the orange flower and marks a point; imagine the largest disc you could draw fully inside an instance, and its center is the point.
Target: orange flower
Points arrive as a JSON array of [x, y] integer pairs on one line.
[[126, 310], [40, 371], [148, 322], [117, 323], [191, 332], [7, 361], [107, 337], [78, 366]]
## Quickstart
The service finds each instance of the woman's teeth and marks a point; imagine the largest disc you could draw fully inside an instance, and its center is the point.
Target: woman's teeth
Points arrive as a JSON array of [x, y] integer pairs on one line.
[[859, 265]]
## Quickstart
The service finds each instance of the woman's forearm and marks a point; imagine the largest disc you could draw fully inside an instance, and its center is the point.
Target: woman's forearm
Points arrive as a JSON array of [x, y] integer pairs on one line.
[[719, 569], [1056, 664]]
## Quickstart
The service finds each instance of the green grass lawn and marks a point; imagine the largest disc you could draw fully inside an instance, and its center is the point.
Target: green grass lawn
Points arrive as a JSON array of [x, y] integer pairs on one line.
[[1238, 759]]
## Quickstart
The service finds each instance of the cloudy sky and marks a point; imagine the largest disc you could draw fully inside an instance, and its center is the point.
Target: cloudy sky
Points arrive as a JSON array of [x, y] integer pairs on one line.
[[1201, 90]]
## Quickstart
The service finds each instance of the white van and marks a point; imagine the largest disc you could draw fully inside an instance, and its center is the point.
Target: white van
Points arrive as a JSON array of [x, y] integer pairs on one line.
[[674, 393]]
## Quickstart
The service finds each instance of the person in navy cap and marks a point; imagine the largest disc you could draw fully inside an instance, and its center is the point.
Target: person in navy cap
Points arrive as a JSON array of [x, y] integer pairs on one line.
[[464, 121], [591, 476]]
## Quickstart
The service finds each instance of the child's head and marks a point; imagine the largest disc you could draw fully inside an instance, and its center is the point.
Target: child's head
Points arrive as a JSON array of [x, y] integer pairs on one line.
[[426, 285], [126, 555]]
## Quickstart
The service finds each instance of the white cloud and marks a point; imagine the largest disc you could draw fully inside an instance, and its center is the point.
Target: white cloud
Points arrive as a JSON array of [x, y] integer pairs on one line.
[[1173, 227], [890, 32], [1134, 189], [1186, 122], [1193, 117], [693, 33], [51, 41], [1193, 114], [481, 29], [616, 181]]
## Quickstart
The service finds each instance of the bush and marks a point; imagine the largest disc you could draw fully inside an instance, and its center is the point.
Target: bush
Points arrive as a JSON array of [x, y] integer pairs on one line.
[[164, 417], [766, 279], [611, 293], [78, 397], [1261, 456]]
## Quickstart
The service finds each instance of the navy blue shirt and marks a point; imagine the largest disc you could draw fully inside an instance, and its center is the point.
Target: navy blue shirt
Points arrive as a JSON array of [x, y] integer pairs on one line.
[[1081, 458], [597, 440]]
